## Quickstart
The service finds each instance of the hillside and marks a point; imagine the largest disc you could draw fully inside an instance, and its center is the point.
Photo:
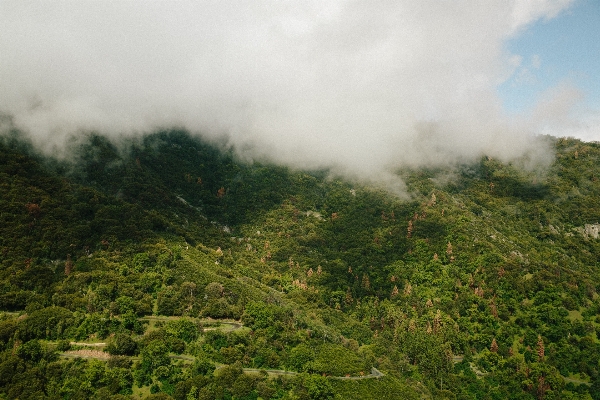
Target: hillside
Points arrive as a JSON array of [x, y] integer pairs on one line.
[[482, 284]]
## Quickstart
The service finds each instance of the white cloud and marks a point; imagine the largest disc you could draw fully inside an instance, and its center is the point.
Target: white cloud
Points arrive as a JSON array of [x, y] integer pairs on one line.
[[364, 86], [560, 112], [586, 128], [526, 11]]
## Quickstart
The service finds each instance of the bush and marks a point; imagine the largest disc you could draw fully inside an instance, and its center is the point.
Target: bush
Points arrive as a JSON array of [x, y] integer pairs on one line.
[[119, 362], [31, 351], [47, 323], [300, 357], [318, 387], [202, 366], [122, 345], [63, 345]]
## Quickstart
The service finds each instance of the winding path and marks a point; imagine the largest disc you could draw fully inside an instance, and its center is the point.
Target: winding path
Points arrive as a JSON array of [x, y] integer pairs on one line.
[[233, 323], [87, 344], [99, 355], [375, 373]]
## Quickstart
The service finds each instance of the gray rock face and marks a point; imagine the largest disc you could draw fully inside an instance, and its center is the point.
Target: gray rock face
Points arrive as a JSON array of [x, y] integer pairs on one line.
[[592, 230], [589, 231]]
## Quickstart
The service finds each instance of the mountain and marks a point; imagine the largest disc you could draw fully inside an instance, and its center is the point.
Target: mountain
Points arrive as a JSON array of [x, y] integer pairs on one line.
[[182, 272]]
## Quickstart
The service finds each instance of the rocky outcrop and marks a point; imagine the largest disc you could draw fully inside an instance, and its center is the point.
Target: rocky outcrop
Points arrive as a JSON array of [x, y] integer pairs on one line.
[[589, 231]]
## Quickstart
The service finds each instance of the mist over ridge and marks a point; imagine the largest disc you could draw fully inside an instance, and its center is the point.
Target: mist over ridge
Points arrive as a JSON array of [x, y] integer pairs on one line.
[[359, 88]]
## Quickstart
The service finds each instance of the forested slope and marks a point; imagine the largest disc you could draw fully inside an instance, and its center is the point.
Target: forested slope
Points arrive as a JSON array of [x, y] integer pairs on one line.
[[481, 284]]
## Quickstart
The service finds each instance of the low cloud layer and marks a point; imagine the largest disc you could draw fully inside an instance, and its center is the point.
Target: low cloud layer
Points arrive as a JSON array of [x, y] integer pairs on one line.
[[360, 86]]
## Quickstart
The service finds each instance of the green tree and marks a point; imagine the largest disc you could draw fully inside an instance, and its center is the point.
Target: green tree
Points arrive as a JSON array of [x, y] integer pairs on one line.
[[122, 344], [152, 356], [31, 351], [318, 387]]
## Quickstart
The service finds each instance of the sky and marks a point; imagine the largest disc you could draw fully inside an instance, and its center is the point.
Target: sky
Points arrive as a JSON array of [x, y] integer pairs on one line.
[[564, 50], [360, 87]]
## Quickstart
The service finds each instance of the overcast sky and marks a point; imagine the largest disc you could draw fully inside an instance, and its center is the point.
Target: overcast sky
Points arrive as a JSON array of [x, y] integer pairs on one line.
[[361, 85]]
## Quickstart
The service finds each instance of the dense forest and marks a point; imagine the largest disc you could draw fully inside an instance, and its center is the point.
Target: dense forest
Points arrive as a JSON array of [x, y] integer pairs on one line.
[[163, 267]]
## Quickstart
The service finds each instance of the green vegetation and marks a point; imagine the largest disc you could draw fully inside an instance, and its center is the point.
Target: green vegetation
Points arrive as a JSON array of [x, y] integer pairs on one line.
[[165, 268]]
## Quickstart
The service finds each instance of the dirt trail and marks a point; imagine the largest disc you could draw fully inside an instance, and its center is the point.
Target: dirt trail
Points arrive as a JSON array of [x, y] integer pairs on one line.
[[87, 344], [233, 323], [375, 373], [100, 355]]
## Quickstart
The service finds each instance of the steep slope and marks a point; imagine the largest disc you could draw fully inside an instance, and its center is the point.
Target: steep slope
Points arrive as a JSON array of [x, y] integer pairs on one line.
[[483, 284]]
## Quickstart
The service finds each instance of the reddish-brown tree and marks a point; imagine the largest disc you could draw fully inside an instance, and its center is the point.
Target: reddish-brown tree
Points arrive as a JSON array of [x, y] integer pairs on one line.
[[68, 265], [540, 348], [494, 346]]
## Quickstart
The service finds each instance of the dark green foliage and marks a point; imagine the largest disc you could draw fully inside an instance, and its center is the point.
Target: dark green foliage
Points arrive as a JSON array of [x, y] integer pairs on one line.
[[7, 329], [375, 389], [259, 315], [63, 345], [202, 366], [318, 387], [183, 329], [301, 357], [119, 362], [154, 356], [328, 277], [336, 360], [30, 351], [122, 345], [48, 323]]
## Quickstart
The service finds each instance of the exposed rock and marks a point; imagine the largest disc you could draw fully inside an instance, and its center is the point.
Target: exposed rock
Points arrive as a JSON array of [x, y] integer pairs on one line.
[[314, 214], [589, 231], [592, 230]]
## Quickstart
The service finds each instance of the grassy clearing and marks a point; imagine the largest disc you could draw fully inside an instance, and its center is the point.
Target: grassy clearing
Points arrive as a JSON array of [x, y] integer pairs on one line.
[[575, 315], [140, 392], [578, 379]]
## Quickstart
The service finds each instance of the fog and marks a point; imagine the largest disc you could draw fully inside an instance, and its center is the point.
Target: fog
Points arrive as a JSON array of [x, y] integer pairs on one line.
[[360, 87]]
